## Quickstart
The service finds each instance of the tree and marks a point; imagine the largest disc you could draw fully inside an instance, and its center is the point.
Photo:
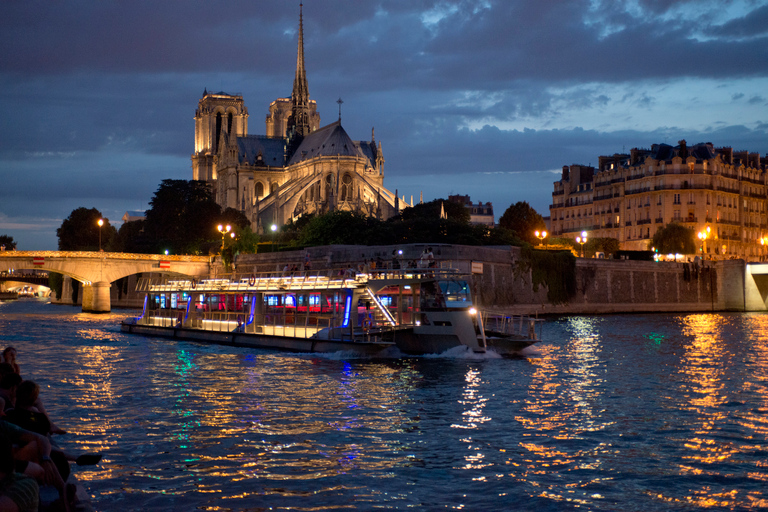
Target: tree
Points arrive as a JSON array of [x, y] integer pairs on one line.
[[130, 238], [675, 238], [341, 227], [81, 232], [182, 218], [456, 212], [523, 220], [7, 242], [608, 246]]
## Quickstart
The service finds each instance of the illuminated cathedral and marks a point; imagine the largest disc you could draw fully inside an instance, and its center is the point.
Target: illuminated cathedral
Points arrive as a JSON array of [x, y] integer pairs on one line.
[[297, 168]]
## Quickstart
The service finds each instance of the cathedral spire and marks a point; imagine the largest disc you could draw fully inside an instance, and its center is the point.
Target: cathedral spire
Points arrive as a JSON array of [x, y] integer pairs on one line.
[[300, 97]]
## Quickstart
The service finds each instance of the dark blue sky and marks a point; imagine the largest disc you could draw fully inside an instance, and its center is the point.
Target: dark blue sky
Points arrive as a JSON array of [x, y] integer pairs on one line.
[[482, 97]]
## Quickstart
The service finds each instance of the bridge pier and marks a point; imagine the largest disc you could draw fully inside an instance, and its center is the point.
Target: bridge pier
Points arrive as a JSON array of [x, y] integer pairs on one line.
[[96, 297]]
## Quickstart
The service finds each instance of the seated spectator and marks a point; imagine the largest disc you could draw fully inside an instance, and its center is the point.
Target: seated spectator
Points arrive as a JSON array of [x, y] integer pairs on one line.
[[8, 391], [8, 383], [25, 414], [17, 492], [9, 357], [36, 450]]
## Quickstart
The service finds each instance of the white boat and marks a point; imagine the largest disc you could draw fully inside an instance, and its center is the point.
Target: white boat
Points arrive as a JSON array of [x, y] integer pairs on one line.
[[417, 311]]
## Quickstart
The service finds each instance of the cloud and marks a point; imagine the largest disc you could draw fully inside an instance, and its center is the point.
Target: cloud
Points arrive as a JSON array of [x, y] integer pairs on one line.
[[488, 95]]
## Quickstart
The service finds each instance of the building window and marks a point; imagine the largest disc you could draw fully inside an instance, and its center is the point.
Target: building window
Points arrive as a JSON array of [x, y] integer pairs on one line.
[[259, 190], [677, 199], [346, 188]]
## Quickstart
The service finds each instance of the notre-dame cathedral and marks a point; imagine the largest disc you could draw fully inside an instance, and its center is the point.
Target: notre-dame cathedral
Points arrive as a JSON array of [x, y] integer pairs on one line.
[[296, 168]]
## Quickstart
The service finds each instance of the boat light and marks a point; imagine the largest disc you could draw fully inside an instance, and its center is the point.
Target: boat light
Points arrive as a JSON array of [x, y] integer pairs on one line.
[[472, 311]]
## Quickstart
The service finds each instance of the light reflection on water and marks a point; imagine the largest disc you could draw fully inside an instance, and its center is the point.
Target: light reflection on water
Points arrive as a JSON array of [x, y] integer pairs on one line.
[[641, 412]]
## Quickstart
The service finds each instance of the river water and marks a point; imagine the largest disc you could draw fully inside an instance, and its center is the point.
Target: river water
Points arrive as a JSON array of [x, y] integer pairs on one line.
[[625, 412]]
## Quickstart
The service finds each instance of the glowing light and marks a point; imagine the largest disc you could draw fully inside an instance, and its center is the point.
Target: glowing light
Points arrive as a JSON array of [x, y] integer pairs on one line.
[[472, 311]]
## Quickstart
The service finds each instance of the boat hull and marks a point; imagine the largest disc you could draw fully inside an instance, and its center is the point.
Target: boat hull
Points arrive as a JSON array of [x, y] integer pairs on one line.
[[282, 343]]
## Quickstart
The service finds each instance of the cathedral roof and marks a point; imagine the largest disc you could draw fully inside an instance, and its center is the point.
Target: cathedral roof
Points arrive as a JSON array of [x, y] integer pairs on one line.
[[329, 140], [271, 150]]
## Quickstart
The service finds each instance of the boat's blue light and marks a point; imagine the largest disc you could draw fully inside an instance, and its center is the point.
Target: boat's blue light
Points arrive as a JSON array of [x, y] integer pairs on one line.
[[347, 308]]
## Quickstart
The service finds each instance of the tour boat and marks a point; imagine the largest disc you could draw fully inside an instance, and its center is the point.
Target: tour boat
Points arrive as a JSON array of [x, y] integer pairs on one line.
[[415, 311]]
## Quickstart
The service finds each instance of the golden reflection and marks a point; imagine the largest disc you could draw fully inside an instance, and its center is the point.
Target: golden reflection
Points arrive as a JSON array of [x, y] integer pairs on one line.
[[562, 404], [707, 370], [472, 416]]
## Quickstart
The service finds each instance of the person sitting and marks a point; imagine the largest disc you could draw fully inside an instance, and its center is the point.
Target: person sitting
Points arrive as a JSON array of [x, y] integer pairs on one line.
[[8, 383], [9, 357], [36, 451], [17, 492], [25, 414]]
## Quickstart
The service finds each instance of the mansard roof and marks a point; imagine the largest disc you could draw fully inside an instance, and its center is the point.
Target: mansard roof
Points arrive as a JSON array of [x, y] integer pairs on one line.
[[272, 150], [665, 152], [329, 140]]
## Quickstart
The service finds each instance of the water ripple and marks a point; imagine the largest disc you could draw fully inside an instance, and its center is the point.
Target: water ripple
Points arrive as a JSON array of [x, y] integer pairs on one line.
[[640, 412]]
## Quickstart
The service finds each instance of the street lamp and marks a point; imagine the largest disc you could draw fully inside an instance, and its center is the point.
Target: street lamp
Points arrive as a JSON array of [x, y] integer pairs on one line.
[[100, 222], [703, 235], [224, 230], [541, 236], [582, 240]]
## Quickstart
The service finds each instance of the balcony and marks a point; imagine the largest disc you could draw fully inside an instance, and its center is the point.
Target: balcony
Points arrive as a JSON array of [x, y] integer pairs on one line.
[[628, 223], [643, 221], [660, 220]]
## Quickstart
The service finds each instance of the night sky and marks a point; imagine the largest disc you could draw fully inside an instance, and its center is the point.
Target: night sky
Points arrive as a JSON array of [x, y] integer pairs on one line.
[[482, 97]]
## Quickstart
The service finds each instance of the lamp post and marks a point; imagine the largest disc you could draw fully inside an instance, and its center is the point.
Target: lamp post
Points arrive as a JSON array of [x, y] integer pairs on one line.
[[224, 230], [541, 235], [703, 235], [582, 240], [100, 222], [273, 228]]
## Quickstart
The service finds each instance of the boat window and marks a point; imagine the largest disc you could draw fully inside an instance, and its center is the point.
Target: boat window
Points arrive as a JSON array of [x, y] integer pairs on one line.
[[456, 294], [447, 294]]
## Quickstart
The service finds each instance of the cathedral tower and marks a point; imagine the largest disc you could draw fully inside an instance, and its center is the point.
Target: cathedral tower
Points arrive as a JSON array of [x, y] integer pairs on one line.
[[298, 122], [216, 113]]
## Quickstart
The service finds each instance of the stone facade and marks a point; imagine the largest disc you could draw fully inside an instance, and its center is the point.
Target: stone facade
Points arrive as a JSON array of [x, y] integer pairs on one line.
[[630, 196]]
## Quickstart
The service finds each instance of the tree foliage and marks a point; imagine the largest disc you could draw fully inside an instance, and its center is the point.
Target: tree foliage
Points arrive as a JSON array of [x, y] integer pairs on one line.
[[555, 270], [675, 238], [608, 246], [182, 219], [80, 231], [8, 242], [422, 223], [523, 220]]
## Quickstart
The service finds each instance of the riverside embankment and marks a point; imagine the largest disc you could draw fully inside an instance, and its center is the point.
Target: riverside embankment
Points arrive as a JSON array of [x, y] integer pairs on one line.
[[503, 280]]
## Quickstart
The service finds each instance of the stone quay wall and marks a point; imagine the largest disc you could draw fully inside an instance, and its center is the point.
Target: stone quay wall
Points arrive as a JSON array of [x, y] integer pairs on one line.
[[504, 286], [602, 286]]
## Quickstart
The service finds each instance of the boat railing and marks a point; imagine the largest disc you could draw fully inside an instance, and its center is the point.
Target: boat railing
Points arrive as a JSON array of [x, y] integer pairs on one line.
[[335, 278], [515, 325]]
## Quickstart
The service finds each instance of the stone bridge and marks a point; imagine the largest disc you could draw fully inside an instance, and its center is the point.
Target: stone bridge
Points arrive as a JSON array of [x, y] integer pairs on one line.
[[97, 270]]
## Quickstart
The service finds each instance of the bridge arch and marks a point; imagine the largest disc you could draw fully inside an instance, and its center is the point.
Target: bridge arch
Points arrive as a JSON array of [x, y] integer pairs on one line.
[[97, 270]]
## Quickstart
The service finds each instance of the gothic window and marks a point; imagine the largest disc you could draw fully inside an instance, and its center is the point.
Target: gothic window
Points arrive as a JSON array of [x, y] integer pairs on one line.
[[272, 187], [328, 185], [346, 188], [259, 190], [218, 129], [229, 123]]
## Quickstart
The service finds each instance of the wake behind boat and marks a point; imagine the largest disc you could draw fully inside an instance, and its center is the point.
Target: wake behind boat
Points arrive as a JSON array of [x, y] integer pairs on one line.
[[418, 311]]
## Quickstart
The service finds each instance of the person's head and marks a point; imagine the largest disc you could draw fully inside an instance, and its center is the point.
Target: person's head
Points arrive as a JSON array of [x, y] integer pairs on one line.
[[27, 393], [10, 381], [9, 355]]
